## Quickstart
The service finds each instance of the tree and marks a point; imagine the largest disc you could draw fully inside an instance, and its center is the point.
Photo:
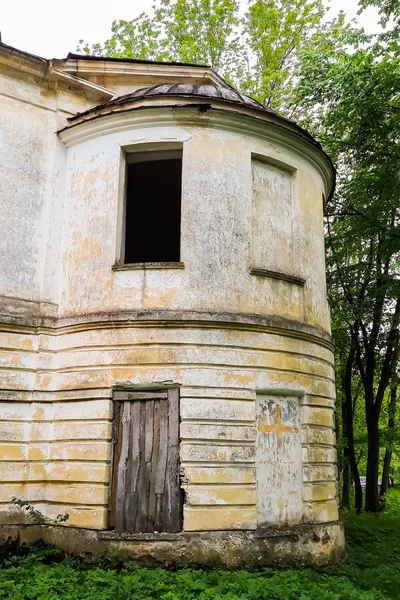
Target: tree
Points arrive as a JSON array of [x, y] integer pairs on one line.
[[139, 39], [350, 83], [258, 53], [391, 437], [275, 32], [348, 395], [194, 31]]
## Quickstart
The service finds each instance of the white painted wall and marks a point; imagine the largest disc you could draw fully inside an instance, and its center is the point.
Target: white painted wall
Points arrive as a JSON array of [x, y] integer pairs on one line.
[[60, 238]]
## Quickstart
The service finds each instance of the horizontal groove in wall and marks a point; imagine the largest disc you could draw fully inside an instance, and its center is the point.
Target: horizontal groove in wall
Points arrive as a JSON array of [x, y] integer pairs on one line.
[[322, 501], [169, 345], [317, 445], [39, 396], [225, 505], [40, 421], [221, 442], [57, 483], [33, 370], [52, 482], [317, 426], [321, 406], [319, 482], [223, 485], [218, 506], [161, 319], [217, 390], [55, 503], [320, 464], [39, 442], [50, 461], [86, 390], [231, 422], [163, 365], [199, 399], [213, 464]]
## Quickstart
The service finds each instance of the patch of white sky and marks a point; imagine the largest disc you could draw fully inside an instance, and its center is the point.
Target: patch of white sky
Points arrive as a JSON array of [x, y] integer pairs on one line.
[[52, 29]]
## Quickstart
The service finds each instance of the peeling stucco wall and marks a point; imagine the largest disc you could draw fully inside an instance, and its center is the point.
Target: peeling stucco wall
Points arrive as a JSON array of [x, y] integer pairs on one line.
[[72, 327]]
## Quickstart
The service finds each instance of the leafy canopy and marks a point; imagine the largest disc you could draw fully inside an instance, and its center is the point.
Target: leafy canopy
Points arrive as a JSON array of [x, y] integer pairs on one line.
[[257, 52]]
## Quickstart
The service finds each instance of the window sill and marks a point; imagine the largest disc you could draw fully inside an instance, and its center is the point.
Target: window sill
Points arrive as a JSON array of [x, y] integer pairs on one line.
[[147, 265], [277, 275]]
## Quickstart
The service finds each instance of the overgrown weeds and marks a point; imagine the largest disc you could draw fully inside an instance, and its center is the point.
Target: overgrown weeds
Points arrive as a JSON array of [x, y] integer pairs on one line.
[[372, 572]]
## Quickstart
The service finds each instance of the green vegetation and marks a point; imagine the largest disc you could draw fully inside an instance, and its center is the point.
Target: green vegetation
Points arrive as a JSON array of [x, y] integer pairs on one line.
[[349, 89], [258, 51], [36, 516], [372, 572]]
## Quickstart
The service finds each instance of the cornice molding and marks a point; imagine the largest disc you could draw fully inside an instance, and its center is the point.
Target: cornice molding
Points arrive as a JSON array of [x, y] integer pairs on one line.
[[168, 319], [213, 114], [87, 68]]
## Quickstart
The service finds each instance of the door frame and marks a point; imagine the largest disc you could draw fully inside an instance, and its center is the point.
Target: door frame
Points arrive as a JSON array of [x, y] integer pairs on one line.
[[120, 395]]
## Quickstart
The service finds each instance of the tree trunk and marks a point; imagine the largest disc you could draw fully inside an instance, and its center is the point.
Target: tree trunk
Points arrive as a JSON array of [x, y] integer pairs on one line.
[[372, 503], [385, 472], [348, 428], [388, 453], [358, 500], [346, 484], [346, 481]]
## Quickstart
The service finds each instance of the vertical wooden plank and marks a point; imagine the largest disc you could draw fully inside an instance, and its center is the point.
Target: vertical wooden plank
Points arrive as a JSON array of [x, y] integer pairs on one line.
[[122, 466], [172, 479], [141, 520], [154, 463], [116, 451], [166, 510], [148, 452], [132, 496], [161, 467]]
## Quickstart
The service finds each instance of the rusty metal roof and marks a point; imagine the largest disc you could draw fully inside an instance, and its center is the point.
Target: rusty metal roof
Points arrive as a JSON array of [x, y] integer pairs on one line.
[[185, 90]]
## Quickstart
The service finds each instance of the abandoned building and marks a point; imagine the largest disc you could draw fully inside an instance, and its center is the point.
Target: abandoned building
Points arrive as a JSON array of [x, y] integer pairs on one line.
[[166, 360]]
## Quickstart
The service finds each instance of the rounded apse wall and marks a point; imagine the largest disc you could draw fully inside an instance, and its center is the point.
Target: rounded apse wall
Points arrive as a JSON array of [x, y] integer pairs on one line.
[[238, 327]]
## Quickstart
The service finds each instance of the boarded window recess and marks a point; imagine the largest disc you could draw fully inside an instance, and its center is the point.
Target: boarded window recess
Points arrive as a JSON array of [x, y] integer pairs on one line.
[[145, 491]]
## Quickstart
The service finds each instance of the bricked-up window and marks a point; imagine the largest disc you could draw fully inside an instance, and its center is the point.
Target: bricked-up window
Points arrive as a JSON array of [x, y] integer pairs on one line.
[[153, 207]]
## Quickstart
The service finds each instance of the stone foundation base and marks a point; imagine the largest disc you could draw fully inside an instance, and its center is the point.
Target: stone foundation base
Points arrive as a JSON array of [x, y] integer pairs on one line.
[[302, 545]]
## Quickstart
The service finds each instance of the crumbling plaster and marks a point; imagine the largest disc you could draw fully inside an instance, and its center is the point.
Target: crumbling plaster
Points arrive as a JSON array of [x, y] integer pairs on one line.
[[73, 328]]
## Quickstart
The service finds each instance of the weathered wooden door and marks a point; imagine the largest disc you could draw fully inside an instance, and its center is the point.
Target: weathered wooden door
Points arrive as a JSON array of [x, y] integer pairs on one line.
[[145, 493]]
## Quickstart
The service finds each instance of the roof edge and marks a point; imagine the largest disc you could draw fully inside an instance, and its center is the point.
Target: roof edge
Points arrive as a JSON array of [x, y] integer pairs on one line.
[[23, 61], [74, 56]]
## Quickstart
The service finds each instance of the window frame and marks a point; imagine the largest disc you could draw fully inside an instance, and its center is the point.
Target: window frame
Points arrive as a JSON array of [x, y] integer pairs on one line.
[[159, 151]]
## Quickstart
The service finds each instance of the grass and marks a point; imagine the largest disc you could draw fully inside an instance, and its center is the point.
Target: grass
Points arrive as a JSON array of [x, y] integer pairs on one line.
[[372, 572]]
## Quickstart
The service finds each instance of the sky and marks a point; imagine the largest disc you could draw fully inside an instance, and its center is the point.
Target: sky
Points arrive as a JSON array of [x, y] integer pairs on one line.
[[52, 29]]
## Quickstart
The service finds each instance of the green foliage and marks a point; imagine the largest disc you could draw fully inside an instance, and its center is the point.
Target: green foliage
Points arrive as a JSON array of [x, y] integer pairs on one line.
[[349, 87], [275, 32], [258, 53], [36, 516], [371, 573], [194, 31], [200, 31]]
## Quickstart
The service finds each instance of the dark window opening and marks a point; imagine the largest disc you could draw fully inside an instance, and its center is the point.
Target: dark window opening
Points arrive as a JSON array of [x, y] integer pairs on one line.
[[153, 207]]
